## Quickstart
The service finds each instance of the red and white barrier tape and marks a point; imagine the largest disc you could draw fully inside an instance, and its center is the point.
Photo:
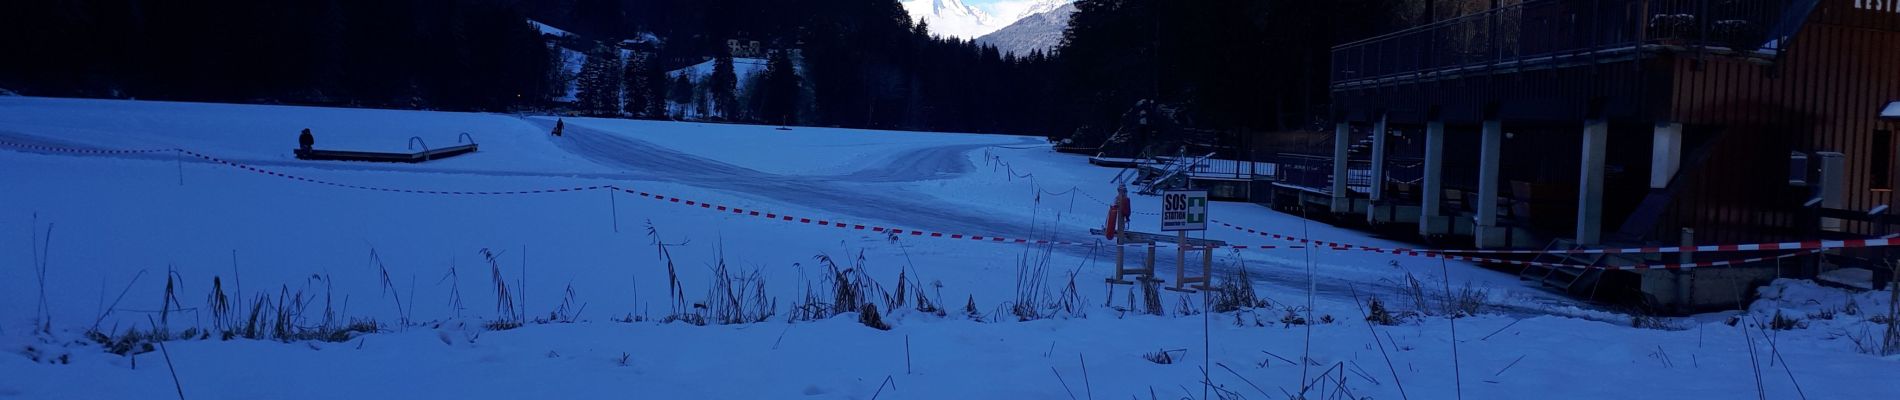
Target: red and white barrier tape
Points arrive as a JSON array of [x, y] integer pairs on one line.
[[1447, 254], [1805, 245], [54, 149], [660, 197]]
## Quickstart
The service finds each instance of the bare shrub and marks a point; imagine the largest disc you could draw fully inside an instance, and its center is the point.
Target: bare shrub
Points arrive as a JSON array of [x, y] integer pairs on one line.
[[896, 299], [1163, 356], [1292, 317], [1032, 268], [928, 306], [809, 307], [1151, 296], [568, 311], [1890, 343], [869, 317], [1033, 300], [389, 286], [1783, 322], [675, 291], [1185, 307], [970, 310], [507, 315], [846, 289], [1379, 315], [130, 342], [1235, 292], [223, 318], [852, 286], [454, 278], [1464, 301], [738, 298]]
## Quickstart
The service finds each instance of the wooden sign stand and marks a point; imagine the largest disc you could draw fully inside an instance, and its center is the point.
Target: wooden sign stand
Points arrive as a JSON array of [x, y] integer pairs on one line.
[[1181, 280], [1146, 273]]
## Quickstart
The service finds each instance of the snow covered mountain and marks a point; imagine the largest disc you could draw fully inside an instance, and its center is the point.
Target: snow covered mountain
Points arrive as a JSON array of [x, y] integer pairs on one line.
[[1039, 31], [1042, 7], [952, 18]]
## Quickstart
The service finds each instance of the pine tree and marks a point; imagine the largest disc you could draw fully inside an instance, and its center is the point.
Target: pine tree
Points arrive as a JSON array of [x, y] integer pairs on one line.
[[636, 85], [681, 93], [599, 82], [724, 86], [781, 89], [655, 90]]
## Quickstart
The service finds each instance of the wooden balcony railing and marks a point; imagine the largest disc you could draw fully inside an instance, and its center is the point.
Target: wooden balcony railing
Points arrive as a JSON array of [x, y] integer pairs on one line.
[[1544, 32]]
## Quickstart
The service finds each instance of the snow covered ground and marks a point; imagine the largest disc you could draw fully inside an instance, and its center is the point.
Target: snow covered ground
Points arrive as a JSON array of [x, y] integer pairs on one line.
[[120, 223]]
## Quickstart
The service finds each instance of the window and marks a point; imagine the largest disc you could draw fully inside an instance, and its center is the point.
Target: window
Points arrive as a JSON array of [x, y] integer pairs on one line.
[[1882, 166]]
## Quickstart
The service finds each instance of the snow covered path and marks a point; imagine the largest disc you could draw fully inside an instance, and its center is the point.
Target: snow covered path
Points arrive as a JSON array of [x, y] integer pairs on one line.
[[848, 195], [866, 196]]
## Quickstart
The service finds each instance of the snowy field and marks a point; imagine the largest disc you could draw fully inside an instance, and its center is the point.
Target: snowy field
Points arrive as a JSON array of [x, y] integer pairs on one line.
[[119, 230]]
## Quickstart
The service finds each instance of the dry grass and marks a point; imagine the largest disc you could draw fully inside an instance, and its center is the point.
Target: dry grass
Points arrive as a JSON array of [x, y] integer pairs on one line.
[[1164, 356], [507, 316], [737, 298], [1376, 313], [1235, 292], [1457, 302], [1890, 343], [869, 316]]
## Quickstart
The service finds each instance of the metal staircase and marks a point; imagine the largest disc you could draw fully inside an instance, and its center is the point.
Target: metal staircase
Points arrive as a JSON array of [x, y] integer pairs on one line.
[[1179, 168], [1574, 281]]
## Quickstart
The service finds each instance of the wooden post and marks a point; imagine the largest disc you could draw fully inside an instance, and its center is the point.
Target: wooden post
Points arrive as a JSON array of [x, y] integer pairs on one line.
[[1180, 259], [1207, 266], [1150, 272], [1121, 250]]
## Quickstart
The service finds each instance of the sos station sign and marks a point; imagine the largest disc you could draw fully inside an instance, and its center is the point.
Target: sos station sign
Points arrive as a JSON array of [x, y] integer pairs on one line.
[[1183, 210]]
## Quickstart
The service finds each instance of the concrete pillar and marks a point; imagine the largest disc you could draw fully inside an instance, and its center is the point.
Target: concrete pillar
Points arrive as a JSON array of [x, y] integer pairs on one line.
[[1342, 143], [1491, 145], [1596, 137], [1378, 160], [1666, 154], [1376, 192], [1429, 220]]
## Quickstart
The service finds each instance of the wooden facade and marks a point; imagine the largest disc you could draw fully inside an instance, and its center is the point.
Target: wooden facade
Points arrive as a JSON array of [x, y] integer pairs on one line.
[[1750, 81], [1824, 95]]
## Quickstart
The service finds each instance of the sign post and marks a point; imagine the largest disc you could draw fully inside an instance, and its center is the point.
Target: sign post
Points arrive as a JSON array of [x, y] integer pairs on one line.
[[1183, 211]]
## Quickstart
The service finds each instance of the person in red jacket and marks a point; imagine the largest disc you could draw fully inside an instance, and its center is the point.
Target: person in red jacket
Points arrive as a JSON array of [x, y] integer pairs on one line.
[[1118, 214]]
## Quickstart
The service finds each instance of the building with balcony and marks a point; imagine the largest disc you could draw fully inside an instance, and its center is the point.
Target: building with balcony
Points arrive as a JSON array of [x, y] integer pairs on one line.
[[1584, 123]]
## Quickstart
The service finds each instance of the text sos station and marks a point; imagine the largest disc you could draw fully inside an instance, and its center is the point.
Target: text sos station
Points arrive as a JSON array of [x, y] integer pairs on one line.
[[1184, 210]]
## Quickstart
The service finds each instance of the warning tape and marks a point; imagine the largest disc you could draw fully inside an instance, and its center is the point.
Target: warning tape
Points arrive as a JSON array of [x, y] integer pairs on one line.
[[656, 196], [1803, 245], [1446, 254], [1450, 255], [56, 149], [243, 166]]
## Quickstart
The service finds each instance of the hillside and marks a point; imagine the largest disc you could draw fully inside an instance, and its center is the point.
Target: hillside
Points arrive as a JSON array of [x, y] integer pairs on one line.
[[1037, 32]]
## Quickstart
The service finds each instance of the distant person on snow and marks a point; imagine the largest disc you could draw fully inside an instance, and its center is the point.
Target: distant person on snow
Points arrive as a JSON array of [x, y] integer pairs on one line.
[[558, 125], [305, 140]]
